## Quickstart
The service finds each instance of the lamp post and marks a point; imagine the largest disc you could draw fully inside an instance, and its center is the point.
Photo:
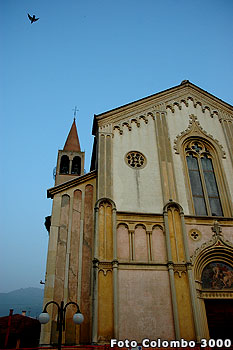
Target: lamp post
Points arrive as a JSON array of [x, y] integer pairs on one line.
[[77, 318]]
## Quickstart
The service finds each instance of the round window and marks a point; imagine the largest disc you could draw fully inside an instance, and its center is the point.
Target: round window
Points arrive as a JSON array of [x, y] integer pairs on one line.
[[135, 160], [195, 235]]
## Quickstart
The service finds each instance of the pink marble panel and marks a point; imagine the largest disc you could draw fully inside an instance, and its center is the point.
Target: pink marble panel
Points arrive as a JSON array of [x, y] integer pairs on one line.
[[145, 309], [123, 242], [158, 245], [140, 244]]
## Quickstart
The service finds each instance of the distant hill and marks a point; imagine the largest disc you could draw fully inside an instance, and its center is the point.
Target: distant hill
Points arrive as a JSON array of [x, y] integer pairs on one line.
[[29, 299]]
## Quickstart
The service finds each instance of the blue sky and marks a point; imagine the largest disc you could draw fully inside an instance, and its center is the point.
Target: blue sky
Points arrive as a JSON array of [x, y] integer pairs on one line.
[[98, 55]]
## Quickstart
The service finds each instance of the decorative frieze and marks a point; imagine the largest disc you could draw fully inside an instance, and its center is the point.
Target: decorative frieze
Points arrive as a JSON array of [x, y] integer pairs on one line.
[[197, 101], [216, 295], [137, 119]]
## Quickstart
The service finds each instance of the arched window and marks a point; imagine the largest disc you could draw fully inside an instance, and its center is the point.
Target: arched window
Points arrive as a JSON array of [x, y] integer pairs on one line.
[[76, 166], [202, 179], [64, 165]]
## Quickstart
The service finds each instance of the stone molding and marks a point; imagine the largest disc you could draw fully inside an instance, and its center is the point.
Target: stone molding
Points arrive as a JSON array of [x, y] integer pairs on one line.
[[194, 129]]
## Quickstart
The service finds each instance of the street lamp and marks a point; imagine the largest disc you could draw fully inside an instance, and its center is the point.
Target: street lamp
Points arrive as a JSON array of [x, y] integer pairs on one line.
[[77, 318]]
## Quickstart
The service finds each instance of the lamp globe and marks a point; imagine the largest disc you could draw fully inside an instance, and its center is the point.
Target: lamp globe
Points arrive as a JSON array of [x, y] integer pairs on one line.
[[44, 318], [78, 318]]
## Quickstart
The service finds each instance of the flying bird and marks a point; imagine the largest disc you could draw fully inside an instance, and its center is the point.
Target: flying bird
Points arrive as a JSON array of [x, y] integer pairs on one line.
[[32, 18]]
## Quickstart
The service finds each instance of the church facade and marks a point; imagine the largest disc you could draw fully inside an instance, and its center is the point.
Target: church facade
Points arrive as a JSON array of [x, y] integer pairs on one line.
[[144, 241]]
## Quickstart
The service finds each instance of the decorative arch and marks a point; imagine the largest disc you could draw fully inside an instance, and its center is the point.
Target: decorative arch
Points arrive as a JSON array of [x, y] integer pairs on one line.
[[140, 225], [140, 243], [158, 226], [105, 199], [195, 130], [124, 242], [122, 224], [158, 244], [202, 155], [172, 203], [216, 249]]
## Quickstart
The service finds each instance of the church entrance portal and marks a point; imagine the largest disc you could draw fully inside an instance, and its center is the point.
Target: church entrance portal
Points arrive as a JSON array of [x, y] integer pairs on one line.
[[219, 314]]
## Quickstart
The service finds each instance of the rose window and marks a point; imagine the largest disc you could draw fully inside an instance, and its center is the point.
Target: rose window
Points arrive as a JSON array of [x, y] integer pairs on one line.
[[135, 159]]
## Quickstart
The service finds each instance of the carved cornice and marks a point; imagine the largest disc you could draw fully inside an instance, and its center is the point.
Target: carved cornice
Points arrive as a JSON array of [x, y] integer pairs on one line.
[[178, 96], [136, 119], [194, 129], [212, 104], [196, 101]]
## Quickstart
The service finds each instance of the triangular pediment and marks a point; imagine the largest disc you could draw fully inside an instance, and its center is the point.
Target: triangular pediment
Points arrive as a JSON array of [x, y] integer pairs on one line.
[[170, 99]]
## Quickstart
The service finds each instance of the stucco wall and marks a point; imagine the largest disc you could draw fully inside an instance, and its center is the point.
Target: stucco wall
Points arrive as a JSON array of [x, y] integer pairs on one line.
[[145, 305], [137, 190]]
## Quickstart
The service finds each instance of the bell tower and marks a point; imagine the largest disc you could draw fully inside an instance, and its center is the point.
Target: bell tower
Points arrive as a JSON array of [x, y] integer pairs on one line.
[[70, 160]]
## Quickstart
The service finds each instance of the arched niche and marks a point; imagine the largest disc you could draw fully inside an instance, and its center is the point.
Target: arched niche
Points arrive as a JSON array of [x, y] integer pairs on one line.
[[158, 244], [123, 242], [140, 243]]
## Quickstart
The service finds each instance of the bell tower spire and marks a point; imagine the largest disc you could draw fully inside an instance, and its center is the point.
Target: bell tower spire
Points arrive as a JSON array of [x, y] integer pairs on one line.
[[70, 161], [72, 141]]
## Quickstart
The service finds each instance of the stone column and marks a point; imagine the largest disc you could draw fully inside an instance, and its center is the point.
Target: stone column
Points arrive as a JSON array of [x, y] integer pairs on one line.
[[171, 276], [95, 279]]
